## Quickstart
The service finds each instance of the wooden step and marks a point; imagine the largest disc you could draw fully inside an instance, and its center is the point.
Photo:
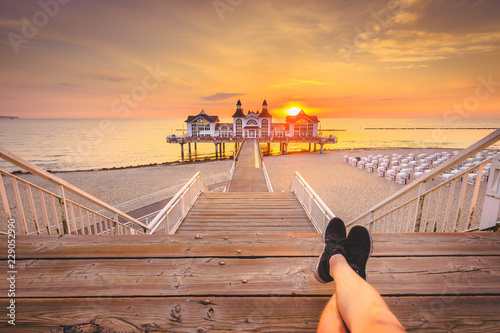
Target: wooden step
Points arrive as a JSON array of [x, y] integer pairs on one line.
[[181, 283], [247, 212]]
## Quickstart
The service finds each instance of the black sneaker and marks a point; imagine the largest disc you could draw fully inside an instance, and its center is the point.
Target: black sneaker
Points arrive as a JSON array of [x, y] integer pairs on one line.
[[334, 239], [359, 248]]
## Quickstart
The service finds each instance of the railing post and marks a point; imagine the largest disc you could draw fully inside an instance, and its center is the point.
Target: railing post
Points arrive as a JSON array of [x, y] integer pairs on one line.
[[370, 221], [64, 209], [5, 201], [418, 209], [491, 206]]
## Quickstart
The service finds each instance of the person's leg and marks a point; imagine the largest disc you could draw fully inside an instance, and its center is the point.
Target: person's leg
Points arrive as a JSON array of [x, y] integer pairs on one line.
[[331, 320], [361, 307]]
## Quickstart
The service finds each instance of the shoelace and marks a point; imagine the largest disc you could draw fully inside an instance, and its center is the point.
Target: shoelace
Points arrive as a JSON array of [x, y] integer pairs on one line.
[[332, 247]]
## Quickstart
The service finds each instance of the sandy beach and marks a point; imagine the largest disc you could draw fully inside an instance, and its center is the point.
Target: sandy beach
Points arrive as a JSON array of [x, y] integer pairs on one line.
[[346, 190]]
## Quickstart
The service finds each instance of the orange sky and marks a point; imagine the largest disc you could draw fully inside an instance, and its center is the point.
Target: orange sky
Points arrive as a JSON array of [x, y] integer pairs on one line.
[[140, 59]]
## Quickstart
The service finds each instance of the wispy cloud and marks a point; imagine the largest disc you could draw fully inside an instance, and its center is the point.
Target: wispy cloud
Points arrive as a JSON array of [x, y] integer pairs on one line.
[[220, 96]]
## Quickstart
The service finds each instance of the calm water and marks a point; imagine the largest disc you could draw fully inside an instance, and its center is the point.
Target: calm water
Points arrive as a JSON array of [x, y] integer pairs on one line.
[[85, 144]]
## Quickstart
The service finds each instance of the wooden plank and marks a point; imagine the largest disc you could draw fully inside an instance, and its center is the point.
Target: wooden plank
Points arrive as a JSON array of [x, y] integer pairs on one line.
[[241, 314], [258, 244], [277, 276]]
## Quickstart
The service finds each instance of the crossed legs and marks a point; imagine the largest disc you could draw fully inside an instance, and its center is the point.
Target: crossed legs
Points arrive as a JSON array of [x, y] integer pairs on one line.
[[355, 306]]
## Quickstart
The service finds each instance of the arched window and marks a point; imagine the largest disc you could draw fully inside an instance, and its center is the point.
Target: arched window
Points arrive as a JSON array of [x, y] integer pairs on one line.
[[252, 122], [279, 131], [264, 129], [224, 131], [301, 128], [239, 124]]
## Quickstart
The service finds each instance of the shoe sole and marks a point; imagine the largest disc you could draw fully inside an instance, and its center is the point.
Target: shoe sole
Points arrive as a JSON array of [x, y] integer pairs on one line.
[[371, 249], [316, 267]]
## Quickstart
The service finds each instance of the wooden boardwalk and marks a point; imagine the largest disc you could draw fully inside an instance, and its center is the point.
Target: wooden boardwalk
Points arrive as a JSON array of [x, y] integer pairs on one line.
[[248, 206], [242, 282], [248, 175]]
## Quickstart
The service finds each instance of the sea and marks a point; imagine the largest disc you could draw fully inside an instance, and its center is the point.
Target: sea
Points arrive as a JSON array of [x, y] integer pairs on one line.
[[93, 144]]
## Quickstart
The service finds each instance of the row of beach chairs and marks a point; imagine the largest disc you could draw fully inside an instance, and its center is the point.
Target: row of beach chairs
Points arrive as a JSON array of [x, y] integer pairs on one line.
[[403, 169]]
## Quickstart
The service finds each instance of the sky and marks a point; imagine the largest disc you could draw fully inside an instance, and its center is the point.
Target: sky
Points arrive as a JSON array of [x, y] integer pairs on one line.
[[166, 58]]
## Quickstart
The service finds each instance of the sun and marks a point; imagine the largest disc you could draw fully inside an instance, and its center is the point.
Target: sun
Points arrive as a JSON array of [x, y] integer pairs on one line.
[[293, 111]]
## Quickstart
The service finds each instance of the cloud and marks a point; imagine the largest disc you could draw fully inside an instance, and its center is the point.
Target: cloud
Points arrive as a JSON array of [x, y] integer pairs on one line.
[[220, 96], [64, 84], [420, 46]]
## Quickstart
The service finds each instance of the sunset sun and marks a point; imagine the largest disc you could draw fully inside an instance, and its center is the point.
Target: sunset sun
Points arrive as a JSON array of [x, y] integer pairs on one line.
[[293, 111]]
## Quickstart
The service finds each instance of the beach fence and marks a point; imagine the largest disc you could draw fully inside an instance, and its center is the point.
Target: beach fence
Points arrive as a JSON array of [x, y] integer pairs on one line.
[[460, 194], [54, 206]]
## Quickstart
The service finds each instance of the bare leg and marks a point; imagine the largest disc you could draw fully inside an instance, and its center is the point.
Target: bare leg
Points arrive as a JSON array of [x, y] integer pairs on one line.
[[330, 320], [361, 307]]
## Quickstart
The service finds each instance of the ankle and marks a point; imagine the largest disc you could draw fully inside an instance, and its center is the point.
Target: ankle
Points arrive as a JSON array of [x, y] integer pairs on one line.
[[337, 259]]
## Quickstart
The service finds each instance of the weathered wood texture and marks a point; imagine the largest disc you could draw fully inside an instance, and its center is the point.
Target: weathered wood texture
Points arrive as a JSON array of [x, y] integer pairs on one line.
[[240, 314], [435, 282], [246, 212], [250, 245]]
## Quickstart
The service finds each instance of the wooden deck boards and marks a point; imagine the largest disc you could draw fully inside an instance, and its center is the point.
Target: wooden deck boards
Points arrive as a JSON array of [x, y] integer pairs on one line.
[[180, 283], [237, 212]]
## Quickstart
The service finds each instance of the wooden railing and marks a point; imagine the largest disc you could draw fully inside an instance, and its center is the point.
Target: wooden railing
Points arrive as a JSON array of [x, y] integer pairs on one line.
[[165, 194], [170, 217], [264, 170], [415, 208], [59, 214], [316, 209], [236, 155]]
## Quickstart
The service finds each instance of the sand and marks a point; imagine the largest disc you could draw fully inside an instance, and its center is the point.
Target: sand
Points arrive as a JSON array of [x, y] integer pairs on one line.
[[347, 191]]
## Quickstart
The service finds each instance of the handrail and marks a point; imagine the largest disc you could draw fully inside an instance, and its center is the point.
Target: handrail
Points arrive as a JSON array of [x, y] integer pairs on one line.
[[208, 180], [266, 177], [236, 155], [163, 214], [264, 170], [37, 171], [91, 227], [462, 156], [316, 209], [422, 220]]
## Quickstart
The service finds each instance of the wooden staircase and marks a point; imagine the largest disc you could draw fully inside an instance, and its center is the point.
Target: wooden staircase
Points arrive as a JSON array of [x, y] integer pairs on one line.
[[249, 212]]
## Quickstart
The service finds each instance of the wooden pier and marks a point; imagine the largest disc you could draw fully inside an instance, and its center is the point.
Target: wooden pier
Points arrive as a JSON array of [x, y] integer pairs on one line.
[[220, 142]]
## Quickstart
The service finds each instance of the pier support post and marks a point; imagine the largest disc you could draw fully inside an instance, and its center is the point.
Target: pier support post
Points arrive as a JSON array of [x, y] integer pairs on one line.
[[286, 148], [216, 151], [309, 146], [314, 147], [195, 146], [269, 148], [189, 148], [321, 149], [224, 148], [182, 151]]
